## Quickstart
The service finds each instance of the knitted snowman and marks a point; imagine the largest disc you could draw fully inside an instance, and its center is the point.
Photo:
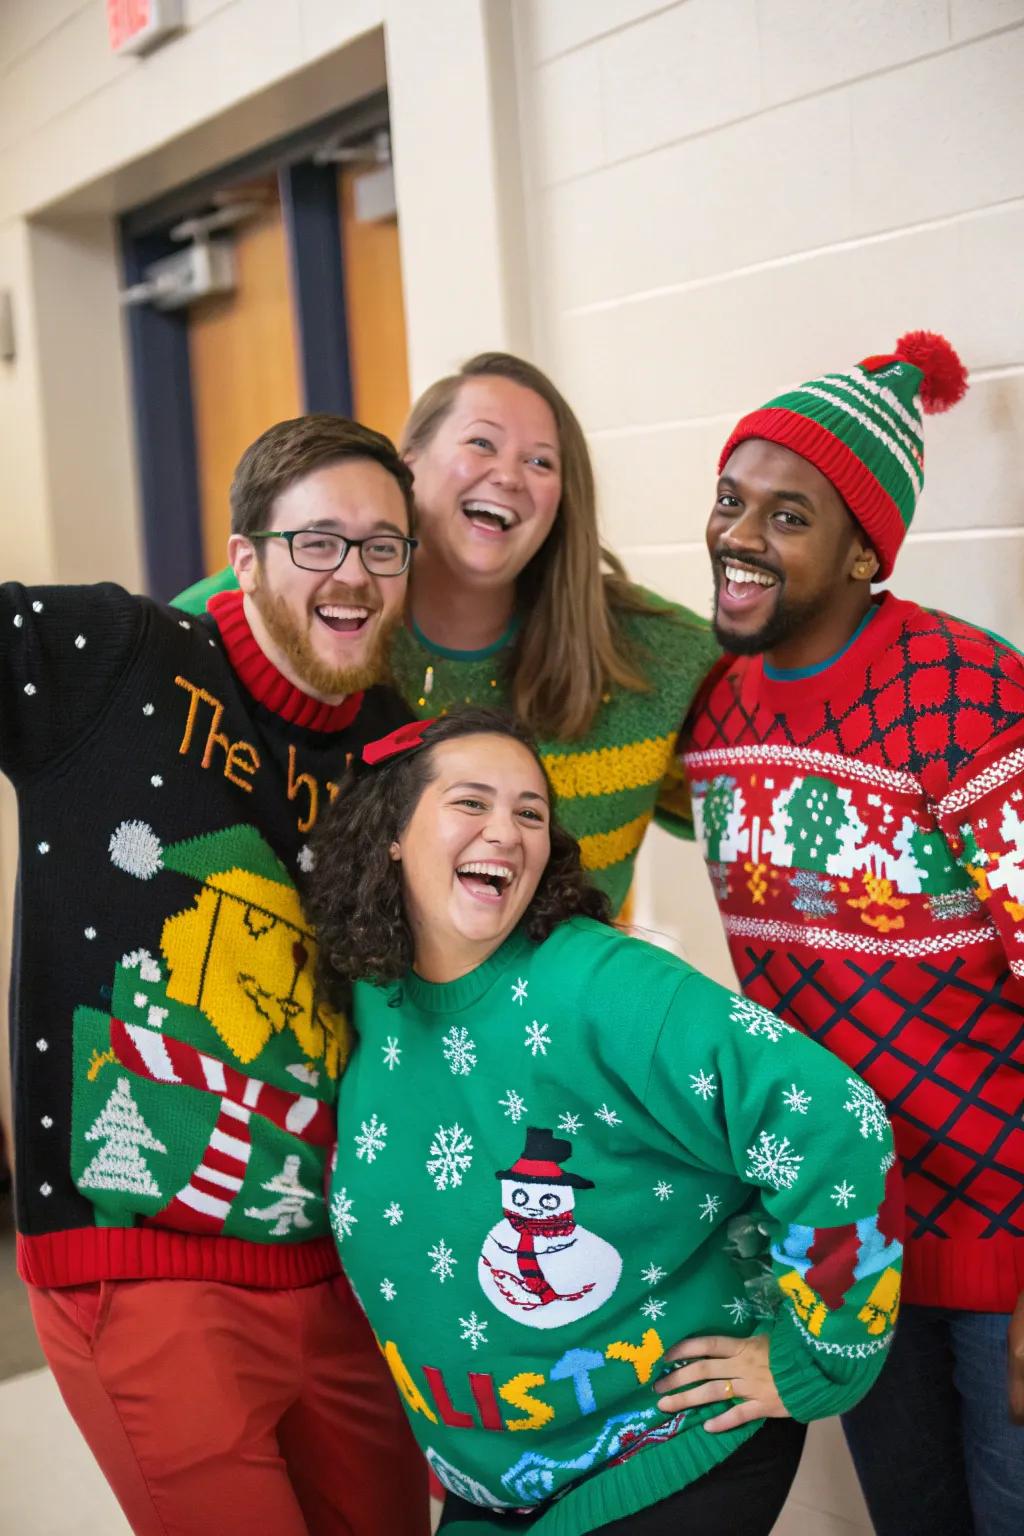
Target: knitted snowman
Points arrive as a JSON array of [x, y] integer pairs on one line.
[[537, 1266]]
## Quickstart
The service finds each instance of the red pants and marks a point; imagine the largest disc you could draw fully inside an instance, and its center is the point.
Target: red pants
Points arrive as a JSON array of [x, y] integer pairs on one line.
[[215, 1408]]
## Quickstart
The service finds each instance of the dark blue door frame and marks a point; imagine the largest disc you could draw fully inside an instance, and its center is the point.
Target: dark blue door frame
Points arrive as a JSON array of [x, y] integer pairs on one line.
[[158, 339]]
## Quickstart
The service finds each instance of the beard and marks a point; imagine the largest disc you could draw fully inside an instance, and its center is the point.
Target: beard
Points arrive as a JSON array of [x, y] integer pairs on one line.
[[787, 621], [319, 676]]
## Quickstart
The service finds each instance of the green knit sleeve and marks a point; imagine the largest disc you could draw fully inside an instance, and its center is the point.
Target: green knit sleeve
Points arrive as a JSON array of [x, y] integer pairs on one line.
[[745, 1093], [195, 598]]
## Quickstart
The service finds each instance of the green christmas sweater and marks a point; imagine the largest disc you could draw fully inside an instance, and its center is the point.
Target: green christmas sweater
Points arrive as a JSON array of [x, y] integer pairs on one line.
[[580, 1153], [609, 783]]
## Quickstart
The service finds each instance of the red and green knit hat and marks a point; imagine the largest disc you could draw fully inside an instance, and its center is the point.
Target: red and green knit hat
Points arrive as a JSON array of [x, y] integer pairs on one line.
[[862, 429]]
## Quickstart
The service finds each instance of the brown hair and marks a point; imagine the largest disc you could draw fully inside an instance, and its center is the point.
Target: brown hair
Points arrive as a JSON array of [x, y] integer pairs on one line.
[[355, 893], [290, 450], [571, 648]]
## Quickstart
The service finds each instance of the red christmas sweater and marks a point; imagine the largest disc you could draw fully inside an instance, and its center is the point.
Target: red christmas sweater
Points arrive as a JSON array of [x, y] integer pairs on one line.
[[864, 832]]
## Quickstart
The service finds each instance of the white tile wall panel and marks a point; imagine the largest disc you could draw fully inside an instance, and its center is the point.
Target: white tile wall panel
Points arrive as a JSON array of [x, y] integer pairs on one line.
[[565, 122], [970, 18], [550, 27], [974, 460], [25, 24], [805, 47], [956, 123], [732, 197], [680, 73], [659, 480], [721, 346]]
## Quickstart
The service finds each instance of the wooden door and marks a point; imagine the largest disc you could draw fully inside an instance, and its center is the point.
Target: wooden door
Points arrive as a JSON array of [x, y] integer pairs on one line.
[[244, 365], [376, 315]]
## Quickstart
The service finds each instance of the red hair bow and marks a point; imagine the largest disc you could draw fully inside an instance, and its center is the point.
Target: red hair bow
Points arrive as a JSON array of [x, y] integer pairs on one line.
[[406, 739]]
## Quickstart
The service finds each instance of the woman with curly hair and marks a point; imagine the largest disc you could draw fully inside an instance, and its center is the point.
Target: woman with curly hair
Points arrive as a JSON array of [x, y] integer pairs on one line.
[[557, 1143]]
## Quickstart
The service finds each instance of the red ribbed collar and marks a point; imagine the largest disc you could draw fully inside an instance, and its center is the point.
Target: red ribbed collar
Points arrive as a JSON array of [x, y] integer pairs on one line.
[[267, 685]]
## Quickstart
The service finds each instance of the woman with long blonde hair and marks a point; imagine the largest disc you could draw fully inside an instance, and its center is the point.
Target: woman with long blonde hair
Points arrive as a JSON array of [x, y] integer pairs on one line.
[[515, 602]]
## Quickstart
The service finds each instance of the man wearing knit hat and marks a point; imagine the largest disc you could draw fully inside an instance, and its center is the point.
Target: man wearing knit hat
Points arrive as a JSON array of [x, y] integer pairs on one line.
[[857, 773]]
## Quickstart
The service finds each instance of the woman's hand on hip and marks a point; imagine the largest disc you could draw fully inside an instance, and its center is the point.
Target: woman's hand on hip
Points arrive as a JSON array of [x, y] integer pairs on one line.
[[733, 1372]]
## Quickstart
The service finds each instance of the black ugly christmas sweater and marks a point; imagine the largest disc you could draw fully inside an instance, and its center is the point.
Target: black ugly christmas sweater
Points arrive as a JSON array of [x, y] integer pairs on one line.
[[174, 1076]]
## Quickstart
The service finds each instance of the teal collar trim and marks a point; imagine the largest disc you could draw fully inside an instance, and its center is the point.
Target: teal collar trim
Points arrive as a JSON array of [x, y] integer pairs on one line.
[[796, 674], [450, 996], [452, 655]]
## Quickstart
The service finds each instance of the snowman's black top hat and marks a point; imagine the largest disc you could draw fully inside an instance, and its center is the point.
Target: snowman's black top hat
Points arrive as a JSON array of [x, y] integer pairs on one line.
[[541, 1160]]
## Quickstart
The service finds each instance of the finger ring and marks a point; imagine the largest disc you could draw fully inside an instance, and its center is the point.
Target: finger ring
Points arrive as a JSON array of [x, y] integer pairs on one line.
[[728, 1388]]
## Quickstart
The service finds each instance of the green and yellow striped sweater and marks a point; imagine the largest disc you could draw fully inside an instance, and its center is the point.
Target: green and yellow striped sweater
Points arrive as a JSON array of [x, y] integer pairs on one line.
[[609, 781]]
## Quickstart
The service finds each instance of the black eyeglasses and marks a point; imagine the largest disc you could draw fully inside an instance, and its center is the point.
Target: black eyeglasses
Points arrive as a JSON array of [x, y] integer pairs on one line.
[[382, 554]]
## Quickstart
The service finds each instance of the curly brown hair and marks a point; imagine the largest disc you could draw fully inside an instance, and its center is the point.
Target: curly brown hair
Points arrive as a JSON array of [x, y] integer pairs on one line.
[[355, 893]]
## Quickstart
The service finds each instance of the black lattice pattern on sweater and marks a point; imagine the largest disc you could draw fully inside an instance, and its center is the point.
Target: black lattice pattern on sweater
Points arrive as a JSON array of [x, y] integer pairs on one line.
[[873, 997]]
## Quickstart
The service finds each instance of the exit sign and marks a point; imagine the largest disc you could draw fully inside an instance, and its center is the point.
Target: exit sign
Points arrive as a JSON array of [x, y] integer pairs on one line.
[[136, 26]]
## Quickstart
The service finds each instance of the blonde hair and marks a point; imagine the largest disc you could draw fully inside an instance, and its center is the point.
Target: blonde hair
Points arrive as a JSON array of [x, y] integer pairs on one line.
[[571, 649]]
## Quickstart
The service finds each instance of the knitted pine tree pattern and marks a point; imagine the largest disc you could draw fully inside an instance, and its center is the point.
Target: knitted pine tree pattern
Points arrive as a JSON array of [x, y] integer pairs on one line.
[[863, 833]]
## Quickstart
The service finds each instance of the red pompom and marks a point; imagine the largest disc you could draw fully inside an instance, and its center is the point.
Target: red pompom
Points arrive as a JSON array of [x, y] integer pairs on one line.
[[945, 377]]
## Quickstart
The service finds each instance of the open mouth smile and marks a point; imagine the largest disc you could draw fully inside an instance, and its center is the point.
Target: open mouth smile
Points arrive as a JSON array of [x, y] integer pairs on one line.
[[484, 880], [489, 516], [344, 618], [742, 587]]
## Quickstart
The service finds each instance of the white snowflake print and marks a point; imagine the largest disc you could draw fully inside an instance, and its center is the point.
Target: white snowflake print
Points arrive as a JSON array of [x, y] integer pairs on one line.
[[842, 1194], [444, 1260], [42, 1045], [519, 990], [865, 1104], [709, 1207], [43, 847], [19, 619], [653, 1309], [184, 624], [37, 606], [887, 1162], [474, 1332], [459, 1051], [157, 781], [30, 689], [757, 1020], [570, 1124], [79, 642], [392, 1053], [46, 1122], [135, 848], [537, 1038], [147, 709], [773, 1161], [342, 1219], [89, 932], [609, 1116], [796, 1099], [652, 1274], [514, 1106], [662, 1191], [46, 1189], [388, 1290], [738, 1308], [305, 859], [703, 1084], [371, 1139], [393, 1214], [451, 1155]]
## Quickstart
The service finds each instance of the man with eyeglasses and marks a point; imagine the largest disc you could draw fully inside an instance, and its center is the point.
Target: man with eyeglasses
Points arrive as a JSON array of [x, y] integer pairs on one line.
[[175, 1068]]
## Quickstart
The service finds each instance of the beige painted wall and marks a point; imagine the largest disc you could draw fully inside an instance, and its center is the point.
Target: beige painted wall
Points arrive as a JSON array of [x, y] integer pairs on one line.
[[677, 208]]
